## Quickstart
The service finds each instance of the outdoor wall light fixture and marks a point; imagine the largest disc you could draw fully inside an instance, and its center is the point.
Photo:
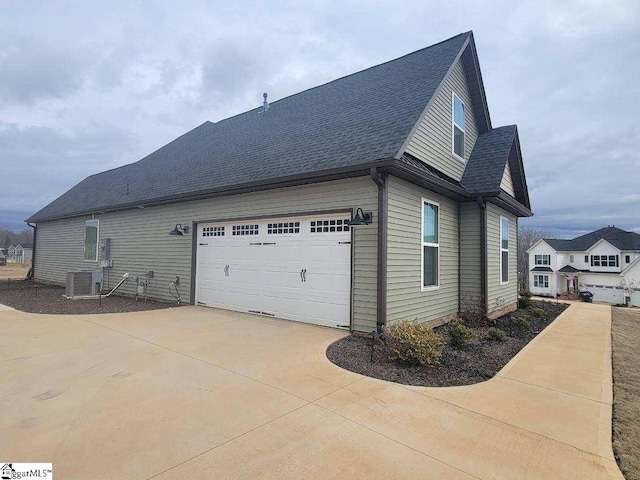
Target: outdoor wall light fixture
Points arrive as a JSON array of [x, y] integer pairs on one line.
[[179, 230], [361, 218]]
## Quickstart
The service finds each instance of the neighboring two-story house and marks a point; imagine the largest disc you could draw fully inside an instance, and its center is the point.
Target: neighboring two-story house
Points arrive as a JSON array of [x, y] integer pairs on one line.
[[605, 262], [383, 195], [20, 253]]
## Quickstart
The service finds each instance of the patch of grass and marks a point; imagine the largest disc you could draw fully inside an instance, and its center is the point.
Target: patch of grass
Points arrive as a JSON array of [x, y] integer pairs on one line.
[[626, 390]]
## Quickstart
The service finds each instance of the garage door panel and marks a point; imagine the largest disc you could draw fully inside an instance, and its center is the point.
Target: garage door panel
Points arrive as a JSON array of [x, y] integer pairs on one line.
[[608, 294], [264, 271]]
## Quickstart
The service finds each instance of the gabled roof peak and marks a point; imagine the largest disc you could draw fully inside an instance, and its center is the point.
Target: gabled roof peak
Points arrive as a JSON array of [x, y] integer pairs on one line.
[[617, 237], [344, 124]]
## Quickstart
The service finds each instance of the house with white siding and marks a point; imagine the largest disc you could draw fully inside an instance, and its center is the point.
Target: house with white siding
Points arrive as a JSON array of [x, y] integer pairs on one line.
[[20, 253], [605, 262], [382, 195]]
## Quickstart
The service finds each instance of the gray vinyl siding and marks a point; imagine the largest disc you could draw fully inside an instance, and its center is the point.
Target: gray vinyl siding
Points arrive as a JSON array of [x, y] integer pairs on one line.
[[501, 295], [405, 298], [140, 240], [432, 140], [470, 259]]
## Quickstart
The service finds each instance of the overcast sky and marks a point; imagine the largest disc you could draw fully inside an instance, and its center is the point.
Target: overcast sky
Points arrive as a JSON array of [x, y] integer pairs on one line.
[[88, 86]]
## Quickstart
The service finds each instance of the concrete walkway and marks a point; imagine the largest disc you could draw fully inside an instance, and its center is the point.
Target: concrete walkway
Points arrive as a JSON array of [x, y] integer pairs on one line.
[[200, 393]]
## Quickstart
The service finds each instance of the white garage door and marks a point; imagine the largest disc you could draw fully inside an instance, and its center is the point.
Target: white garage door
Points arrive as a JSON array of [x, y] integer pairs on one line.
[[609, 294], [635, 298], [297, 268]]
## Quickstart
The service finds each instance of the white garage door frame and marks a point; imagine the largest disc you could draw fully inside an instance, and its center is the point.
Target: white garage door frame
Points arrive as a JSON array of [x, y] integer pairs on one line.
[[606, 293], [195, 240]]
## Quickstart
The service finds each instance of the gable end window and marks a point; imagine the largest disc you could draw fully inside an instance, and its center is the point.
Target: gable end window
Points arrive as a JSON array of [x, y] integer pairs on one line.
[[504, 250], [571, 259], [430, 245], [91, 240], [458, 126], [627, 259]]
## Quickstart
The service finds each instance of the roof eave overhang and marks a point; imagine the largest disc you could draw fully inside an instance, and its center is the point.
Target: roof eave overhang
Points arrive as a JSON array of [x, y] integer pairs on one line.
[[281, 182], [430, 182], [506, 202]]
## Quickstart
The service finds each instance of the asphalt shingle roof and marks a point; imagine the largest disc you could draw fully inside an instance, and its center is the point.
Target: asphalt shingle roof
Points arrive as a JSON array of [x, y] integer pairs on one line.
[[568, 269], [541, 269], [351, 121], [615, 236], [488, 160]]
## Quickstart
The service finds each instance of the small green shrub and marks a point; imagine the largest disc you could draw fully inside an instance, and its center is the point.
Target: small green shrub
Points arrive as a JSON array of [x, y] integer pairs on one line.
[[522, 322], [496, 334], [459, 335], [538, 312], [413, 342], [526, 293], [524, 302]]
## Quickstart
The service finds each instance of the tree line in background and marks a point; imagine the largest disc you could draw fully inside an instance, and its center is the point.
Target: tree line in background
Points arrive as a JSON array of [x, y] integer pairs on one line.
[[8, 237], [527, 236]]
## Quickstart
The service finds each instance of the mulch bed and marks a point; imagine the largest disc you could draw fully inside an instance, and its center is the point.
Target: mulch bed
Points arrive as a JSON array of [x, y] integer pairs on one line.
[[478, 361], [33, 297]]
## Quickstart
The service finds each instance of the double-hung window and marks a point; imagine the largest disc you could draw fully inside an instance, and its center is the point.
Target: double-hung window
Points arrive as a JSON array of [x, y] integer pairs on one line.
[[430, 245], [541, 281], [91, 240], [541, 259], [604, 260], [458, 126], [504, 250]]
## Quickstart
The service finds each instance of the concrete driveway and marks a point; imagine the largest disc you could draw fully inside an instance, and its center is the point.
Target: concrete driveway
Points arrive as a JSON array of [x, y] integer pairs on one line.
[[199, 393]]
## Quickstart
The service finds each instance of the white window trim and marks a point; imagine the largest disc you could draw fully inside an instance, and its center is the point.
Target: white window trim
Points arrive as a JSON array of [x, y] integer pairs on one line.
[[548, 282], [454, 125], [535, 260], [97, 240], [423, 244], [504, 249]]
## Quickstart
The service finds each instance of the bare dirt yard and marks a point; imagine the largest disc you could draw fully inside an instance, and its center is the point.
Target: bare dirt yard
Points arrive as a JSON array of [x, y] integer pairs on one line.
[[33, 297], [625, 331], [14, 270]]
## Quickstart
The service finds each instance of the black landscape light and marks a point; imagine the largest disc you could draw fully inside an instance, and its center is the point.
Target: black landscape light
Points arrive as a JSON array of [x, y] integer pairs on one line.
[[361, 218], [179, 230]]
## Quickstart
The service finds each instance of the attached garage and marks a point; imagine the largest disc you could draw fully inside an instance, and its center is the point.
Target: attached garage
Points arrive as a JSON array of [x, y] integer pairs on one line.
[[297, 267], [607, 293]]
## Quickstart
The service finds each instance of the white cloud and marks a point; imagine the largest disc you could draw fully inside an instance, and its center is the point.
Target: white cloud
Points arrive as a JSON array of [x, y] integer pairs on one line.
[[93, 85]]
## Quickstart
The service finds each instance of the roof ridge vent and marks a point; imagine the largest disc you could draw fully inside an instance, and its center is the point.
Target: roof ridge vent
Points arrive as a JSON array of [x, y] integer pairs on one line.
[[265, 104]]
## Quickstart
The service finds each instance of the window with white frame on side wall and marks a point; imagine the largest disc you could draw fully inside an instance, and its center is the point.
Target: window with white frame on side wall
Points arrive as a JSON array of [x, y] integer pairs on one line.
[[430, 245], [541, 281], [504, 250], [458, 126], [91, 232]]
